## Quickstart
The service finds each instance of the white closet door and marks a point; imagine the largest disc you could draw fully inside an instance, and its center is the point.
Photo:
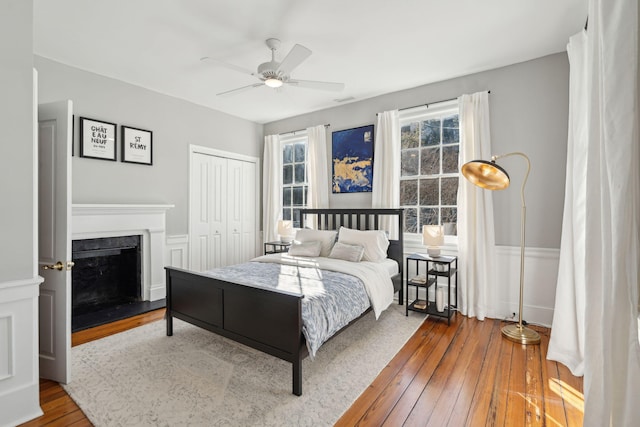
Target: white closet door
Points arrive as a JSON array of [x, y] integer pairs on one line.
[[218, 218], [222, 210], [234, 210], [249, 210], [199, 211]]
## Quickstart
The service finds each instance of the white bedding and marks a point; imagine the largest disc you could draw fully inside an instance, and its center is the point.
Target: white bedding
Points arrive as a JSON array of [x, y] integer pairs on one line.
[[375, 276]]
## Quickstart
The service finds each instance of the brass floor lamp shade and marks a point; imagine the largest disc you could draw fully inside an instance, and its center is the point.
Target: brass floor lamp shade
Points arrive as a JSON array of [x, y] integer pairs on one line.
[[491, 176]]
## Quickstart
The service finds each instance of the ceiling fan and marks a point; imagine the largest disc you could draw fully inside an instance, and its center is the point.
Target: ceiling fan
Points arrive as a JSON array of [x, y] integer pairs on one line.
[[275, 74]]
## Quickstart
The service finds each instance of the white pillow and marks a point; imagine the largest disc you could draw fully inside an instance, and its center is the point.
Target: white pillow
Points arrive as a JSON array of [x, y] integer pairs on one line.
[[346, 252], [375, 242], [326, 237], [310, 248]]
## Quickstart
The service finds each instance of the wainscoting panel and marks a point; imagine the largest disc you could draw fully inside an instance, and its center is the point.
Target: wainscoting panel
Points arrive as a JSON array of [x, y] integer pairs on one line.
[[540, 277], [177, 251], [6, 347]]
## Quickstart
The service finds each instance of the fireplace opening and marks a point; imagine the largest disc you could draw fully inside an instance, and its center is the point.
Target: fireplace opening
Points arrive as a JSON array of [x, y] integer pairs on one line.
[[107, 275]]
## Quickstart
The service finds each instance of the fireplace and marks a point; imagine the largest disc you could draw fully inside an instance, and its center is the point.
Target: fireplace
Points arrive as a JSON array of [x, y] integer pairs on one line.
[[106, 274], [120, 224]]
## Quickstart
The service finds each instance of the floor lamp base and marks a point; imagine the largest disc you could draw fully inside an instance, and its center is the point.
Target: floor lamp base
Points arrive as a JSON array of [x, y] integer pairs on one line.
[[521, 334]]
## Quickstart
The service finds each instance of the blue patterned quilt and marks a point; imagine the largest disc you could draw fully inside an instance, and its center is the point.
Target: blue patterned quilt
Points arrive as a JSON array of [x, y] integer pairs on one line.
[[331, 299]]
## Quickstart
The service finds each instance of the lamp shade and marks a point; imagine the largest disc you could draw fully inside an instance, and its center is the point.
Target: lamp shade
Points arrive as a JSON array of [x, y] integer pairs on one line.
[[487, 175], [432, 235], [285, 228]]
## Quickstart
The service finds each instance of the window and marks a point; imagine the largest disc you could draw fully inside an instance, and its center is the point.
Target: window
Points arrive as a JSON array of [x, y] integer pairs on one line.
[[294, 176], [430, 142]]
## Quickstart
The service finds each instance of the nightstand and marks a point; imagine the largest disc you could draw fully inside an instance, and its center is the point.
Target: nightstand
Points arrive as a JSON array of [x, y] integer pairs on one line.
[[427, 271], [276, 247]]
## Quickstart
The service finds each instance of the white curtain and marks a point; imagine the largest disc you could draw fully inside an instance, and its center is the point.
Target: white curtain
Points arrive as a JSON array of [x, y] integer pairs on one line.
[[317, 171], [476, 238], [386, 168], [566, 344], [271, 187], [611, 349]]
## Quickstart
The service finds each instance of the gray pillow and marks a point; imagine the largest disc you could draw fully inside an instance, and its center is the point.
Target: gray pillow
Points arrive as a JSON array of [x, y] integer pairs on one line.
[[346, 252], [310, 248]]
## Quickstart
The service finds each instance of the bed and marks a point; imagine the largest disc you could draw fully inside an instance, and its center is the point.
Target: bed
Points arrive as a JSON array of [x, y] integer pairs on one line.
[[270, 319]]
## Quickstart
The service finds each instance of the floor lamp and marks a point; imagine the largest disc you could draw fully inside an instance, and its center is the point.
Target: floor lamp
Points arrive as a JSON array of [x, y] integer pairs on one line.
[[490, 176]]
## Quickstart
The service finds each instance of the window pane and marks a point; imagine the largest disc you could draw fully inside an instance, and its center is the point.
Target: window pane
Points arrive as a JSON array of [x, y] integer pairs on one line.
[[305, 190], [298, 196], [430, 134], [428, 216], [409, 192], [430, 161], [449, 191], [409, 162], [410, 135], [410, 221], [450, 159], [287, 174], [429, 192], [287, 154], [299, 173], [296, 218], [286, 196], [450, 130], [450, 221], [300, 151], [286, 214]]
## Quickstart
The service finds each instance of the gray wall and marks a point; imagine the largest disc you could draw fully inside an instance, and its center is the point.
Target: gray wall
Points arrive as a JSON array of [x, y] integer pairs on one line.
[[529, 105], [175, 124], [16, 139]]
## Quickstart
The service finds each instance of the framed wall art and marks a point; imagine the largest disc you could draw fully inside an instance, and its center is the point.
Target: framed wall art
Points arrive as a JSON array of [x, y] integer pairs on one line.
[[137, 145], [352, 158], [97, 139]]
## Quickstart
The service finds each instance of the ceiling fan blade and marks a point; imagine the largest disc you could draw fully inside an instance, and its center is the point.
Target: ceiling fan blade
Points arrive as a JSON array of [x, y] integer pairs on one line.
[[240, 89], [294, 58], [330, 86], [214, 61]]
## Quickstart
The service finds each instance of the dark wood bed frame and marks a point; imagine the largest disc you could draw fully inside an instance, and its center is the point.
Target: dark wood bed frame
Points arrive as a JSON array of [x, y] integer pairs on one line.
[[266, 320]]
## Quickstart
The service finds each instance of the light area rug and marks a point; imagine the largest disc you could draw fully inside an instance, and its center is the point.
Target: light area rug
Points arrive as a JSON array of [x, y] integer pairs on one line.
[[141, 377]]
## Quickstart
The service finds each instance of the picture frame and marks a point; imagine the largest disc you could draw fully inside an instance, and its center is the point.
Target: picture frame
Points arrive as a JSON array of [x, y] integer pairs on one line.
[[137, 145], [97, 139], [352, 160]]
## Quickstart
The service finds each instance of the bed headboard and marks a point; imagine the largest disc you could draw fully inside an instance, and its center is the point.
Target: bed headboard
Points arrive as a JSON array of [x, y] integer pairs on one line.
[[359, 219]]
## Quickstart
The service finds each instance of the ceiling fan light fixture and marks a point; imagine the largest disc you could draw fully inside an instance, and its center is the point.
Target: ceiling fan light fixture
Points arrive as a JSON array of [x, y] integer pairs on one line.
[[273, 82]]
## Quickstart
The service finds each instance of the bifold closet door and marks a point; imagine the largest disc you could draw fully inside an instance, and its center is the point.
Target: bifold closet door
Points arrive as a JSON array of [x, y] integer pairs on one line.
[[208, 188], [222, 210]]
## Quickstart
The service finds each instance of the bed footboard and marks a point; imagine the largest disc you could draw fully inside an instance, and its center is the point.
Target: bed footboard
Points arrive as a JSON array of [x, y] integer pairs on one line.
[[267, 320]]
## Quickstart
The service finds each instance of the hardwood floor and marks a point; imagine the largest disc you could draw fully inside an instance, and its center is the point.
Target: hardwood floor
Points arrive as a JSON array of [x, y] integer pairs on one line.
[[462, 375]]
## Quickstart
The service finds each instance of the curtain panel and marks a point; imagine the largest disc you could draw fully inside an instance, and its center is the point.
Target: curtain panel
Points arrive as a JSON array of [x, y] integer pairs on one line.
[[271, 187], [476, 238], [385, 190], [611, 351]]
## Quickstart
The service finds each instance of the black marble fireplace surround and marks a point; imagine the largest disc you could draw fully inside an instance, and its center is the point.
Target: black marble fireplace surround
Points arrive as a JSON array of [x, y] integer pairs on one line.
[[106, 281]]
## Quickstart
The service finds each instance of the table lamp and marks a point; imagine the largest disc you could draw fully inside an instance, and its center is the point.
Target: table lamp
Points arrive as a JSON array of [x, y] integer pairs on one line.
[[433, 238], [285, 230]]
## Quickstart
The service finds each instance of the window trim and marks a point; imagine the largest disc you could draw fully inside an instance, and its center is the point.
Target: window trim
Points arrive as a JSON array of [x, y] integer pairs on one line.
[[293, 138], [421, 113]]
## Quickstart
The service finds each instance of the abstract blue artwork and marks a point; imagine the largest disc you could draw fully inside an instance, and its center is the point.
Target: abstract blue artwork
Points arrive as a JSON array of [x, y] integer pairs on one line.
[[352, 155]]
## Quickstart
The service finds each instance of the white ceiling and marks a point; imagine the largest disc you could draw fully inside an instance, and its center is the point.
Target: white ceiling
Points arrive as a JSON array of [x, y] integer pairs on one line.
[[372, 46]]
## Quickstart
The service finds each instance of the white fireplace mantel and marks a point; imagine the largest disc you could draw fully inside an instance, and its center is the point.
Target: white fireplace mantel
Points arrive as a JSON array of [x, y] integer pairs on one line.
[[91, 221]]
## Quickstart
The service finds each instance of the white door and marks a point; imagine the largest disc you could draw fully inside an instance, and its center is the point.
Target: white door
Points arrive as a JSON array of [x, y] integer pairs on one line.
[[234, 211], [54, 240], [208, 180]]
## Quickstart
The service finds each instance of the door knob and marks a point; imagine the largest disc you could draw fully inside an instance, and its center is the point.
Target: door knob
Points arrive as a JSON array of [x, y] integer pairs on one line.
[[59, 266]]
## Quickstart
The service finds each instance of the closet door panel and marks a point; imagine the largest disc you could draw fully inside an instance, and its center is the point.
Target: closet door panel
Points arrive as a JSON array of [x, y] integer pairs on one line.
[[200, 212], [249, 210], [234, 211], [218, 211]]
